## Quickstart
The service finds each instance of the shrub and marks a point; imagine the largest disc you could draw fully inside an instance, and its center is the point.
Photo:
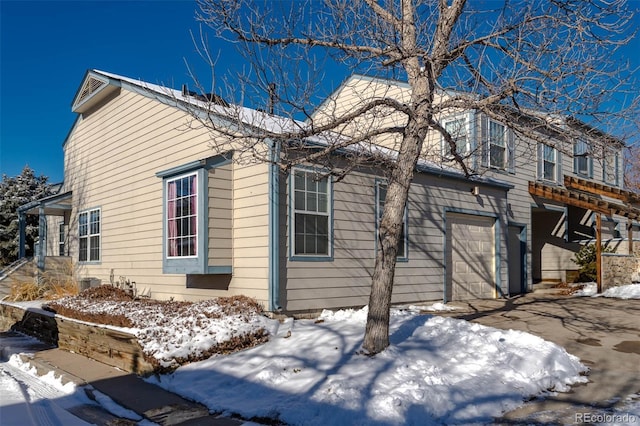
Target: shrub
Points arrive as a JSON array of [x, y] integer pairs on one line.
[[586, 259]]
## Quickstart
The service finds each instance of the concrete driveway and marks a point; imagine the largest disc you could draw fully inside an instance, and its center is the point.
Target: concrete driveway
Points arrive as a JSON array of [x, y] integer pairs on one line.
[[604, 333]]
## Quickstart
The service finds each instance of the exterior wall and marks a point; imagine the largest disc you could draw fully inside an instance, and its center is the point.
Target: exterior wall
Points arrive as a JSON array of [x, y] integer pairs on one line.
[[220, 216], [112, 156], [345, 280], [547, 254]]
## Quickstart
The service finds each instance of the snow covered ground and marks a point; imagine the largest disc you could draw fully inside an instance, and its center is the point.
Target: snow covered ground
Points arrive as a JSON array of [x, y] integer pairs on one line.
[[437, 370], [29, 399], [631, 291]]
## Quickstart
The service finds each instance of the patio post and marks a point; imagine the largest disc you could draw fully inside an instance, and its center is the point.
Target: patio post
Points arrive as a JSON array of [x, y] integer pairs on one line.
[[22, 234]]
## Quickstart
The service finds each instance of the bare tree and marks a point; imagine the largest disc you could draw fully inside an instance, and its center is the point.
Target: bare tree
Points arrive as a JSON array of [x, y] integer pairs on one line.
[[526, 64]]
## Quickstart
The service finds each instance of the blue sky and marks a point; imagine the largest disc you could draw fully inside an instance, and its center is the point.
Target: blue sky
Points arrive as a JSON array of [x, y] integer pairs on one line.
[[46, 47]]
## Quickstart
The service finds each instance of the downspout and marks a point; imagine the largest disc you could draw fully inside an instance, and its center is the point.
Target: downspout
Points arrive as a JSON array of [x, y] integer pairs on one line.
[[274, 228]]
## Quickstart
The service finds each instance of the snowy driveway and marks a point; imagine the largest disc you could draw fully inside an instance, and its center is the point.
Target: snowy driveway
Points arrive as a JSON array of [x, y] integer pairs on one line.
[[604, 333]]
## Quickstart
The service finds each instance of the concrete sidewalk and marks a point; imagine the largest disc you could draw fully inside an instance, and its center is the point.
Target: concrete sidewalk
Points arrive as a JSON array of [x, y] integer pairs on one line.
[[604, 333], [128, 390]]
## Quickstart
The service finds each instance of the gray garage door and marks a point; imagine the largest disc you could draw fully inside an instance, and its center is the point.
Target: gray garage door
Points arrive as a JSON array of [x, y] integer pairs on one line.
[[470, 257]]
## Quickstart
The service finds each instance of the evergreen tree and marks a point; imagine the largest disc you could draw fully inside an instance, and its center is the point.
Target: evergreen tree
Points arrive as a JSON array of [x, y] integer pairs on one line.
[[15, 192]]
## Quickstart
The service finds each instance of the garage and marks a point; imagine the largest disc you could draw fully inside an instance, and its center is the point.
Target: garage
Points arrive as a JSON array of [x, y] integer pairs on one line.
[[470, 257]]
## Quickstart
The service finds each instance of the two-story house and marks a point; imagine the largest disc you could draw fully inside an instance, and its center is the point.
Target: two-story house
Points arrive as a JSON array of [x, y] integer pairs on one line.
[[544, 229], [146, 198]]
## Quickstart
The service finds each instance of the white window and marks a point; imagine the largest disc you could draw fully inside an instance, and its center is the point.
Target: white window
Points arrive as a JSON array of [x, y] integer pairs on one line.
[[381, 195], [182, 216], [581, 159], [458, 128], [61, 238], [610, 167], [498, 152], [89, 236], [311, 214], [549, 163]]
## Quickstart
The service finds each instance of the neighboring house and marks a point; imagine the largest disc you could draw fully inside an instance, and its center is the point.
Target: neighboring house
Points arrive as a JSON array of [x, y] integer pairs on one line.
[[544, 229], [147, 199]]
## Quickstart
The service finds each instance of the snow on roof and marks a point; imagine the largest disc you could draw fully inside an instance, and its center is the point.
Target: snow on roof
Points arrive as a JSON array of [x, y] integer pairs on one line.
[[286, 126]]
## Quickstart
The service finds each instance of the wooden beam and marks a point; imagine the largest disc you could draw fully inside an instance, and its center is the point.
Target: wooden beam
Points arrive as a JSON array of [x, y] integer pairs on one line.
[[601, 189], [599, 252], [582, 200]]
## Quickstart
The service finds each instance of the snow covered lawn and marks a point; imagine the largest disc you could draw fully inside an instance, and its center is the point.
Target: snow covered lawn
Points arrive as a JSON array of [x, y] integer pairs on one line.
[[630, 291], [437, 370]]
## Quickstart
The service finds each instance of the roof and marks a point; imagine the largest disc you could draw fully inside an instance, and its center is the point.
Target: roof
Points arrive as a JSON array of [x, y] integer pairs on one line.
[[99, 84]]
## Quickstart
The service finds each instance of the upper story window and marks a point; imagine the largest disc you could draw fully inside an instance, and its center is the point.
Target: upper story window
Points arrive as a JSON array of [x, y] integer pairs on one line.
[[381, 195], [458, 128], [498, 150], [549, 164], [581, 158], [610, 167], [89, 236], [312, 219], [182, 216]]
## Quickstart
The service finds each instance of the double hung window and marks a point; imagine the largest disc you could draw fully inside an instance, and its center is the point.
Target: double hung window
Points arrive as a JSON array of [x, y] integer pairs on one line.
[[89, 236], [498, 151], [549, 162], [581, 159], [311, 214], [182, 216], [458, 129]]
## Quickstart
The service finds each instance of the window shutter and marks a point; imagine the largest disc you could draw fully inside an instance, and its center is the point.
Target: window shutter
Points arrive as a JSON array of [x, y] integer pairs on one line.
[[540, 159], [559, 166], [511, 150]]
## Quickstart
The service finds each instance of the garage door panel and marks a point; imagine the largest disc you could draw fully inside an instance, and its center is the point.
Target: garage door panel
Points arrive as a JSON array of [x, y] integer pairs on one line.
[[470, 257]]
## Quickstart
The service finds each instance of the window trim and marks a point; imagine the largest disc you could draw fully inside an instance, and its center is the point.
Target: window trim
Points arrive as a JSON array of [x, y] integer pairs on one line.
[[557, 173], [506, 147], [89, 235], [196, 236], [197, 264], [292, 212], [587, 155], [62, 238], [469, 148], [378, 218]]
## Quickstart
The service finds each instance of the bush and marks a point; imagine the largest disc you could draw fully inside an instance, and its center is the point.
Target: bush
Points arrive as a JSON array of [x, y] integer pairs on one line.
[[586, 259]]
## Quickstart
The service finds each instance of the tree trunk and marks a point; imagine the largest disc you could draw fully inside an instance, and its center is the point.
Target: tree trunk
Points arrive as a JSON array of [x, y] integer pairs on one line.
[[376, 337]]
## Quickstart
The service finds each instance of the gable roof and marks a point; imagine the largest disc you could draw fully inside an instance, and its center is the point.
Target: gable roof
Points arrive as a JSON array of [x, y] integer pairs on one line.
[[98, 85]]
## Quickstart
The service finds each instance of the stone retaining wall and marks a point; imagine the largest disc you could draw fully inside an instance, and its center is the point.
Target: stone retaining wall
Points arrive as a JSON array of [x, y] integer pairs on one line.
[[111, 347], [617, 269]]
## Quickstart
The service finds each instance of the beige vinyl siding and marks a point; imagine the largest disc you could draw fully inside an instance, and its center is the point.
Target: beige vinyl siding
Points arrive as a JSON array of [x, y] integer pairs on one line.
[[220, 215], [111, 159], [346, 280]]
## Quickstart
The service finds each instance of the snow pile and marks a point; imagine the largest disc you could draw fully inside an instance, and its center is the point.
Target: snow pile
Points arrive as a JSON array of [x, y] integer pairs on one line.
[[437, 370], [631, 291]]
